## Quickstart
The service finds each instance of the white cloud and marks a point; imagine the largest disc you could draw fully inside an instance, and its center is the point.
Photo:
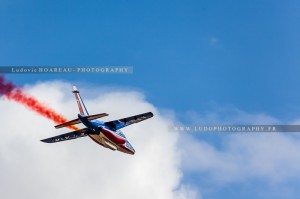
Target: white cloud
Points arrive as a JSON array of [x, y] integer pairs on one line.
[[229, 114], [186, 192], [271, 158], [81, 168]]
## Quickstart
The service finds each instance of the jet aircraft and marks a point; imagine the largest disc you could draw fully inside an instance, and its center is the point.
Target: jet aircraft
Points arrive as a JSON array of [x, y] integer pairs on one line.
[[106, 134]]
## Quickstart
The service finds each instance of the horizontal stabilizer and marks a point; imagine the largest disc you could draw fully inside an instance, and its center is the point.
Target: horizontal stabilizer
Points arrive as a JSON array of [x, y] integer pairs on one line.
[[67, 136], [77, 121]]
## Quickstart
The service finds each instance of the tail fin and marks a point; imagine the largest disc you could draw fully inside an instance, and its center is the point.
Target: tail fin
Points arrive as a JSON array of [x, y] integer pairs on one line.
[[82, 115], [80, 102]]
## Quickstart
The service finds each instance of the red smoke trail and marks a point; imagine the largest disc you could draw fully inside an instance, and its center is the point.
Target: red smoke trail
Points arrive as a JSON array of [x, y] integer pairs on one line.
[[9, 90]]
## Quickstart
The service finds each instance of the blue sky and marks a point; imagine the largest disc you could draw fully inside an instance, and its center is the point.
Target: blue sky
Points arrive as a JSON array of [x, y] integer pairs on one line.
[[187, 55]]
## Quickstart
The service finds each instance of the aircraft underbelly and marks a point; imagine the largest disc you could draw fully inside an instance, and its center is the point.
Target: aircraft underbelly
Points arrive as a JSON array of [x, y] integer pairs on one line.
[[104, 141]]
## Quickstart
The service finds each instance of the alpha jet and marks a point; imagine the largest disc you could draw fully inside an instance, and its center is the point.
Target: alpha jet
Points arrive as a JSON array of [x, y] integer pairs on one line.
[[106, 134]]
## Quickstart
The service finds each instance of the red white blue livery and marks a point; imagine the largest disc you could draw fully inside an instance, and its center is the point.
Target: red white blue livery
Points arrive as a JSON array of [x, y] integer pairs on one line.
[[107, 134]]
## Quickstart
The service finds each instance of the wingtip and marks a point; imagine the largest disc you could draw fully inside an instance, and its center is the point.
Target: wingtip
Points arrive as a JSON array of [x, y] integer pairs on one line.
[[45, 141]]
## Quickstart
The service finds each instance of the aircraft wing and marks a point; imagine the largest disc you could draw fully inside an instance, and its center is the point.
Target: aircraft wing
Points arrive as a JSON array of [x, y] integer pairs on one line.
[[118, 124], [67, 136]]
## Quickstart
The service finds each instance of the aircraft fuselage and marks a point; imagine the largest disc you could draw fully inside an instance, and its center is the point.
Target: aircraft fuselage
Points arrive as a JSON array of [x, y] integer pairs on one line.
[[103, 135]]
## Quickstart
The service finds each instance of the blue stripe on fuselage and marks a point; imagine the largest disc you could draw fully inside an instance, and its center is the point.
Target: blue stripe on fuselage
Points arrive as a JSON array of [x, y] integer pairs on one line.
[[90, 124]]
